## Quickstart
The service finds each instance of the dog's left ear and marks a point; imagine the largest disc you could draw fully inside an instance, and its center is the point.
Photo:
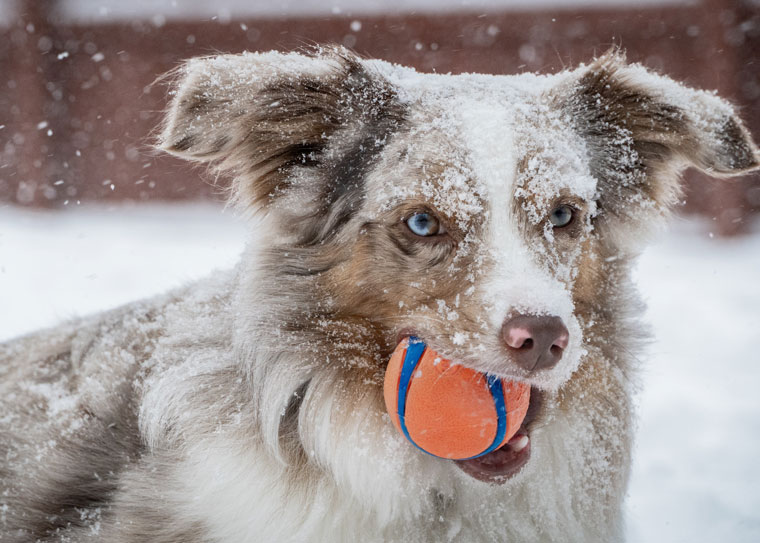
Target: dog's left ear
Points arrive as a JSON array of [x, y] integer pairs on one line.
[[271, 119], [641, 129]]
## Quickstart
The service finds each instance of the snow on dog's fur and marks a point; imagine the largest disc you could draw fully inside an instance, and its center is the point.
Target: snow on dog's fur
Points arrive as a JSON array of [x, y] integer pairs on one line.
[[248, 407]]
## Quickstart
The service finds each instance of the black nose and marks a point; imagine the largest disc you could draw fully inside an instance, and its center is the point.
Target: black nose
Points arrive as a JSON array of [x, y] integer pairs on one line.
[[535, 343]]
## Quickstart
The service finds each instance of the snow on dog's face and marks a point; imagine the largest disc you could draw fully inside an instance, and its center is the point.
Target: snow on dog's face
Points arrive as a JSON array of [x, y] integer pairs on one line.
[[490, 215]]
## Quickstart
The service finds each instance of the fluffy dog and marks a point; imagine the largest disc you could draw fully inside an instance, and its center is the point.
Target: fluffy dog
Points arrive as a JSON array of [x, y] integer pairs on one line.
[[496, 217]]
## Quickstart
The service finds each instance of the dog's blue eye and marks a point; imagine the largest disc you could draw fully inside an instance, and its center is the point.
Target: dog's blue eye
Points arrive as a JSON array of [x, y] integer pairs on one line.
[[561, 216], [424, 224]]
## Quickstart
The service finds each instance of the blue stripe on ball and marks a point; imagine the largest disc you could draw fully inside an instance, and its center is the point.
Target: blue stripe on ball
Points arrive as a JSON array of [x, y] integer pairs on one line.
[[497, 391], [412, 358]]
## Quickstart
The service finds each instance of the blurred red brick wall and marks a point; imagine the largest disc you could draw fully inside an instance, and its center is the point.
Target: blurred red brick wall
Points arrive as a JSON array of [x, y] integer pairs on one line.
[[77, 107]]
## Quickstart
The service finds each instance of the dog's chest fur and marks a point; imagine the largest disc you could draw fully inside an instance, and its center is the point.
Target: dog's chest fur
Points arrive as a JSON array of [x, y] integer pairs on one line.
[[248, 407]]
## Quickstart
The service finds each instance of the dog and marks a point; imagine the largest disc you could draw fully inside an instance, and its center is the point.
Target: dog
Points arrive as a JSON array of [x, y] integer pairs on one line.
[[495, 217]]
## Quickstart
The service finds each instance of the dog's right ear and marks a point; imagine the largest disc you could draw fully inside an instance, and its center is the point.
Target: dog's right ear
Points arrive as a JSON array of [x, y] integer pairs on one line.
[[262, 116]]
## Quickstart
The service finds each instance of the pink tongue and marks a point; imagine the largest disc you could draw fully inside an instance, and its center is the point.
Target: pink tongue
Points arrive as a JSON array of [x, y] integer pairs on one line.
[[498, 466]]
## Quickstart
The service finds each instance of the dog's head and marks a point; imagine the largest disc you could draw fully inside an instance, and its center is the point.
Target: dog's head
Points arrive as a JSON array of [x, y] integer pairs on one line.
[[492, 216]]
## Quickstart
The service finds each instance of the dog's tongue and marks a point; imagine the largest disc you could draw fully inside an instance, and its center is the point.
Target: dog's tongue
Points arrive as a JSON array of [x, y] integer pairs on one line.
[[498, 466]]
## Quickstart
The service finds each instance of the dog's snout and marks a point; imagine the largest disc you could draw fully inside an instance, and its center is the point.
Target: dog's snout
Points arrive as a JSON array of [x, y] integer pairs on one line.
[[534, 342]]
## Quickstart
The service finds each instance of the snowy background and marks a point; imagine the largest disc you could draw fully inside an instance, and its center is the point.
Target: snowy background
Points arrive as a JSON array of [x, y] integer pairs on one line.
[[696, 476]]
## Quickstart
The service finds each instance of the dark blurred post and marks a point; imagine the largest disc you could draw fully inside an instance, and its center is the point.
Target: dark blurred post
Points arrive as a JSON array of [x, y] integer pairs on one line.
[[732, 63], [741, 32], [26, 144], [749, 80]]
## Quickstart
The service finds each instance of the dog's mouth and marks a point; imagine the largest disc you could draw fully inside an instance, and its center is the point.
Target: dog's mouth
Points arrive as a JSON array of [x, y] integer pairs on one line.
[[498, 466]]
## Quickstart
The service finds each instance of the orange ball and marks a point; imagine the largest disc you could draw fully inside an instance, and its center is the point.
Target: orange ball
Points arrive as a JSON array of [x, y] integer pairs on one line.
[[448, 410]]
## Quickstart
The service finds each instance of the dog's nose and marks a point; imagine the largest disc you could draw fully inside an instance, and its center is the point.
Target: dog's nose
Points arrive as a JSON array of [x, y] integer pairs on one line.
[[535, 343]]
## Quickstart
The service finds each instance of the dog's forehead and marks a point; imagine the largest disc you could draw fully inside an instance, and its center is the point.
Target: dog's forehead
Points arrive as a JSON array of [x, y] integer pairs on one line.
[[472, 139]]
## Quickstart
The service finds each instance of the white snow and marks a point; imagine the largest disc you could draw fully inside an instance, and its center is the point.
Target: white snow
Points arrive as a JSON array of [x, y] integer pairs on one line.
[[696, 476], [54, 266]]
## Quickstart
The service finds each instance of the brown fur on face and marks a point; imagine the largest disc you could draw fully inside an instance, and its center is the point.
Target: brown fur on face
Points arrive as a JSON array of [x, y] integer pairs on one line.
[[635, 141]]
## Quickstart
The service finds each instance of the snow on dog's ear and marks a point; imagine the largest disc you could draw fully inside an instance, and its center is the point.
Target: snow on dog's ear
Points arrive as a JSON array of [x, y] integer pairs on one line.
[[269, 119], [642, 129]]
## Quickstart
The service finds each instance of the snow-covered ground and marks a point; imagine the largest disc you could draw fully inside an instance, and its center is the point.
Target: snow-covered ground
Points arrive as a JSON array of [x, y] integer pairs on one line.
[[697, 464], [57, 265], [697, 471]]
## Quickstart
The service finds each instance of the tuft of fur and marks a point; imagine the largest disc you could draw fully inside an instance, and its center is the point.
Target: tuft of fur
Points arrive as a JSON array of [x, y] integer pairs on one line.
[[248, 406]]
